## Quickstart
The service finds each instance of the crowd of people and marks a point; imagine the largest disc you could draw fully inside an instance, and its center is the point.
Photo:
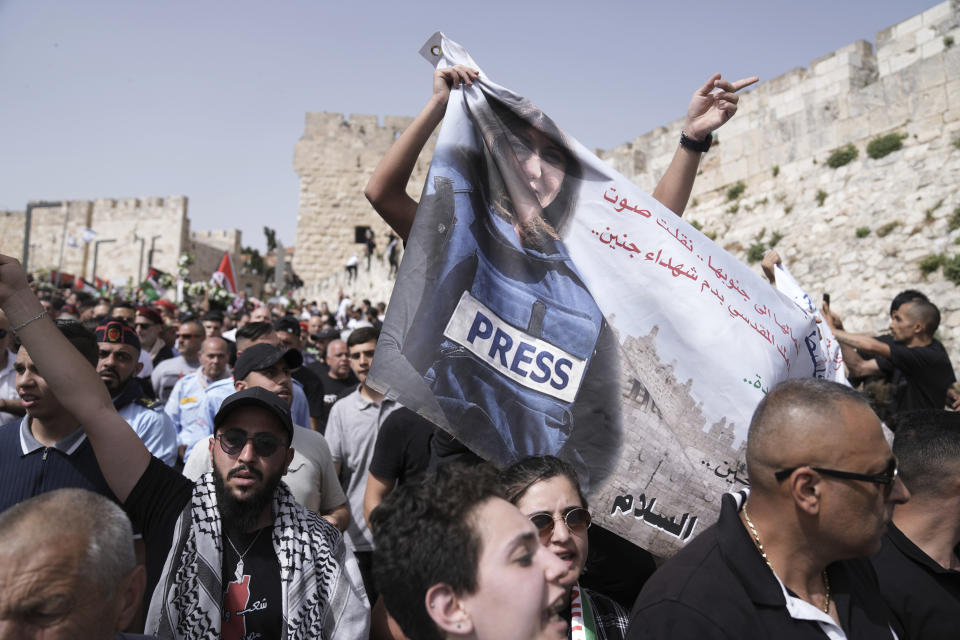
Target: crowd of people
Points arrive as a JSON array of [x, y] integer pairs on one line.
[[205, 474]]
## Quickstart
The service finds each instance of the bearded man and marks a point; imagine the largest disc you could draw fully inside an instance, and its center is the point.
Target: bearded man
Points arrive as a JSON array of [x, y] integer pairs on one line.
[[232, 555], [118, 352]]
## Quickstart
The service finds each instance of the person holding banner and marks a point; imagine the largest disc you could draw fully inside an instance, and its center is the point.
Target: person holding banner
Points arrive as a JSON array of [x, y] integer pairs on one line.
[[504, 306]]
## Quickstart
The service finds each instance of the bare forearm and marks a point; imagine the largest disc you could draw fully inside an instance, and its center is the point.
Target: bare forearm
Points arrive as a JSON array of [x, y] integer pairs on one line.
[[862, 342], [12, 406], [339, 517], [387, 188], [75, 384], [673, 190]]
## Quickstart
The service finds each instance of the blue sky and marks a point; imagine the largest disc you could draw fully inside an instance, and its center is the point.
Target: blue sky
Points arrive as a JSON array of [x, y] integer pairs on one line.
[[129, 98]]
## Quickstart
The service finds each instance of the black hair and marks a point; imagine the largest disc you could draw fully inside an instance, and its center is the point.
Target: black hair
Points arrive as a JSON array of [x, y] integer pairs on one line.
[[927, 446], [522, 475], [362, 335], [905, 296], [253, 330], [122, 304], [424, 535], [83, 339], [213, 316], [925, 312]]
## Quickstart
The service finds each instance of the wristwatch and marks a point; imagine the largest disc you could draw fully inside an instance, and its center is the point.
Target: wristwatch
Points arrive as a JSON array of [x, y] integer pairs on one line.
[[701, 146]]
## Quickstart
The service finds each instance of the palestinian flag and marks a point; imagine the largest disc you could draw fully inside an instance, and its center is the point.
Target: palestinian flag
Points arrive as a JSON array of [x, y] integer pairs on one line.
[[223, 277], [82, 285], [151, 286]]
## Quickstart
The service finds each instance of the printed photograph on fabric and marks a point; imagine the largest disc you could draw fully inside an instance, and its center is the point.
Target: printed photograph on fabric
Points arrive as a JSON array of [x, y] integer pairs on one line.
[[506, 305]]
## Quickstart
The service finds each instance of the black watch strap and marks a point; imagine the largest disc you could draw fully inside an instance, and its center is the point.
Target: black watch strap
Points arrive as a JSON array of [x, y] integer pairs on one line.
[[701, 146]]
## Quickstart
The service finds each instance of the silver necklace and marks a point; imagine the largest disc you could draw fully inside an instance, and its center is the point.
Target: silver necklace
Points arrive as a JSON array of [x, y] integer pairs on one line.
[[238, 573]]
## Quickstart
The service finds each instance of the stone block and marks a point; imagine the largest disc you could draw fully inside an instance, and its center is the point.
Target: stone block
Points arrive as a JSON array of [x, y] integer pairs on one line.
[[936, 14]]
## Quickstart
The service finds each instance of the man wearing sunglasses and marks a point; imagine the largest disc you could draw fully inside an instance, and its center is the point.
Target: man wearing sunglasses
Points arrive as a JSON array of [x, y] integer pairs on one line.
[[311, 477], [919, 565], [790, 561], [232, 555]]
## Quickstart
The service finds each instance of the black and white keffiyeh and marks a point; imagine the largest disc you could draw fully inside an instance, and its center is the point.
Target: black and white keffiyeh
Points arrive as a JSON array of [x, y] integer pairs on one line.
[[322, 592]]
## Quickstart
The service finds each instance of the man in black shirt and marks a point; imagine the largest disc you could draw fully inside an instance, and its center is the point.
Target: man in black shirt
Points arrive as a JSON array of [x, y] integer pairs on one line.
[[918, 366], [338, 381], [231, 555], [791, 562], [919, 564]]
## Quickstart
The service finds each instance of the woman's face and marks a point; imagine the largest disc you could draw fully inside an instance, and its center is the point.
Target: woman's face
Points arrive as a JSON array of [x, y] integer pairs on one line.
[[555, 496], [543, 164], [518, 592]]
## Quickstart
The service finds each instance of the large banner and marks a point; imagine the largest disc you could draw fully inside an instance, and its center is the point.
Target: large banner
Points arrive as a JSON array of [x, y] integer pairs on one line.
[[546, 305]]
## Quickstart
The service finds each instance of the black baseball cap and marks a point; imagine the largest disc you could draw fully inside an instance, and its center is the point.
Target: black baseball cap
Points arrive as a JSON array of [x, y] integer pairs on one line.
[[288, 324], [262, 356], [326, 334], [256, 397]]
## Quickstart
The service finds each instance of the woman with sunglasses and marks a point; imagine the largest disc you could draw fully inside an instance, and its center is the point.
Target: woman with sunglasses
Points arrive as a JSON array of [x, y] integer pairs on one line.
[[547, 491]]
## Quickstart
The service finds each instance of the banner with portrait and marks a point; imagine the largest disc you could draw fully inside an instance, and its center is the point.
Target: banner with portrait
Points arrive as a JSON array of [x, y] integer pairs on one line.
[[546, 305]]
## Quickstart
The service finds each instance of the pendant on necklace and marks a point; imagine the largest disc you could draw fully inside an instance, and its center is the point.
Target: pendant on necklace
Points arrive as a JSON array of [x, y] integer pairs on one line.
[[238, 574]]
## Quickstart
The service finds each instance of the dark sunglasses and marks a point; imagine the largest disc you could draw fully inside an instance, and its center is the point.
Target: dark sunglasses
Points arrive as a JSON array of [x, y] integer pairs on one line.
[[144, 325], [3, 333], [233, 441], [577, 520], [886, 478], [187, 336]]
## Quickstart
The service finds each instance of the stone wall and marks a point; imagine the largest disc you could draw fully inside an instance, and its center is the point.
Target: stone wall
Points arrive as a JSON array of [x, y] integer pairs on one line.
[[334, 159], [160, 222], [777, 147]]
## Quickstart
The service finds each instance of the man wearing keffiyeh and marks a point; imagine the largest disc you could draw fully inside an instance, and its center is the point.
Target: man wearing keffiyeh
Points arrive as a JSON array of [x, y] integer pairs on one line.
[[231, 555]]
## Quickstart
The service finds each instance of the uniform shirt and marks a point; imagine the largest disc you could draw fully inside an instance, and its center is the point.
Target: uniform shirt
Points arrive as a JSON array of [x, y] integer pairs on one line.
[[146, 417], [8, 389], [184, 408], [28, 468], [222, 389]]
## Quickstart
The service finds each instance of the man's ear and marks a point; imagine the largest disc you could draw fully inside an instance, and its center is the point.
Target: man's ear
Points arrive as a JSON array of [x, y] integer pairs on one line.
[[129, 597], [139, 368], [805, 487], [446, 610], [239, 385]]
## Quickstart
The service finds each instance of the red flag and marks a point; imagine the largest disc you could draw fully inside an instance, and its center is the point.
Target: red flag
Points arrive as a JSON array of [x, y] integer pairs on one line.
[[223, 276]]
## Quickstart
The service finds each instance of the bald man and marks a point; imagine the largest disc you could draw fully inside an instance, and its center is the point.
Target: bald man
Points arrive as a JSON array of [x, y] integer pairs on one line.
[[790, 562], [67, 568]]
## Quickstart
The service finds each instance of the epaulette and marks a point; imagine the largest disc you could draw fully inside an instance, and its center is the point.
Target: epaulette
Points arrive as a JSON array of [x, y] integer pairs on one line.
[[149, 403]]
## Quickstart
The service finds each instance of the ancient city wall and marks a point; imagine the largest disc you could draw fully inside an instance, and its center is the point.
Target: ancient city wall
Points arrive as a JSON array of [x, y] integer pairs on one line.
[[777, 147], [334, 159], [162, 223]]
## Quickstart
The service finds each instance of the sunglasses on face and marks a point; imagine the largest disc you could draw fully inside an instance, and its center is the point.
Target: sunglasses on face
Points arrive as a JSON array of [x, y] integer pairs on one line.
[[576, 519], [233, 441], [187, 336], [3, 333], [144, 325], [885, 479]]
